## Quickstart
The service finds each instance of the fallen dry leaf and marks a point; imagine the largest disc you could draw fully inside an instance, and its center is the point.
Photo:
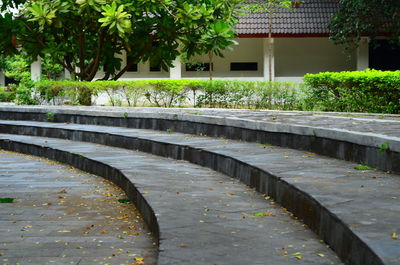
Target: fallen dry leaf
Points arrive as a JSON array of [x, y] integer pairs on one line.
[[139, 260]]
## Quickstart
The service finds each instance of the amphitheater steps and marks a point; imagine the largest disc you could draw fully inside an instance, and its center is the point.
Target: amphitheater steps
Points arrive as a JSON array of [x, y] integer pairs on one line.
[[199, 215], [354, 211]]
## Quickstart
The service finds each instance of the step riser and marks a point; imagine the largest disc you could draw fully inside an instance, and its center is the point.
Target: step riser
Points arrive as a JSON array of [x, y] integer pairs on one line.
[[385, 160], [342, 240]]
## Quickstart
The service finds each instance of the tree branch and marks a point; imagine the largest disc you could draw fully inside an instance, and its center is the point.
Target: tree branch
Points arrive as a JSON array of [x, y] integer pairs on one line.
[[96, 62]]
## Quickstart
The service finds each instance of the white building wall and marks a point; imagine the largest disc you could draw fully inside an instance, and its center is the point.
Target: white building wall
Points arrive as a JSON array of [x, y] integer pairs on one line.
[[142, 73], [295, 57], [248, 50]]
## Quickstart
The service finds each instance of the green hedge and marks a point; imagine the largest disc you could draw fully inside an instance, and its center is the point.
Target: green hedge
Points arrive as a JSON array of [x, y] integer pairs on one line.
[[360, 91], [170, 93]]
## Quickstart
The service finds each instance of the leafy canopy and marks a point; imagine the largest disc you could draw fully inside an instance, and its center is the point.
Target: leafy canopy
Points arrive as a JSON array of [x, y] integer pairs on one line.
[[372, 18], [84, 36]]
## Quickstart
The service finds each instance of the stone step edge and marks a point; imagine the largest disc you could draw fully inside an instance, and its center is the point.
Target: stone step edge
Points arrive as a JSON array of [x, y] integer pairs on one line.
[[322, 221], [375, 150]]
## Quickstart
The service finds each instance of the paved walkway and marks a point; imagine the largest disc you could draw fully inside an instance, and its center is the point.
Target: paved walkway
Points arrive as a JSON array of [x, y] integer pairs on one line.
[[64, 216], [205, 217]]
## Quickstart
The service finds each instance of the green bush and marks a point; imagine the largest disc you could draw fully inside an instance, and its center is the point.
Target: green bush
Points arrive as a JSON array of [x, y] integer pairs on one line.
[[359, 91], [250, 94], [17, 94], [24, 96], [172, 93], [163, 93]]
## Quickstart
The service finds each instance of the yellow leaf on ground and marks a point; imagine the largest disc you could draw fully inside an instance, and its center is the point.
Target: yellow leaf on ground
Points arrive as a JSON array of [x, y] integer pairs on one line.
[[394, 236], [63, 231], [139, 260]]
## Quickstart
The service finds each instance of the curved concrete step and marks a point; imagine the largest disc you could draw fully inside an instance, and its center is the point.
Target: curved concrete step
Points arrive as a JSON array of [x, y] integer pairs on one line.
[[200, 216], [372, 141], [63, 216], [354, 211]]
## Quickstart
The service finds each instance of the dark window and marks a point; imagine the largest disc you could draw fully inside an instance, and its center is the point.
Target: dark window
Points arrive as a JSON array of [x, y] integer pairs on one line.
[[133, 67], [198, 67], [384, 56], [244, 66]]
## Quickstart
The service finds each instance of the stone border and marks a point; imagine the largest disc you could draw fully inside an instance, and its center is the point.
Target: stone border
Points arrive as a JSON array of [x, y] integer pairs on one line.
[[350, 247], [363, 148]]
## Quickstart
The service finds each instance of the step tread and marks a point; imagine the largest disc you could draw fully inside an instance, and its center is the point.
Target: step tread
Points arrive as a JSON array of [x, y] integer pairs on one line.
[[180, 192]]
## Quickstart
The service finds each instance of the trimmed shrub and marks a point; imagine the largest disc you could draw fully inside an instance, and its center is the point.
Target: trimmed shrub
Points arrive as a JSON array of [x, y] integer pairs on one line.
[[359, 91], [173, 93]]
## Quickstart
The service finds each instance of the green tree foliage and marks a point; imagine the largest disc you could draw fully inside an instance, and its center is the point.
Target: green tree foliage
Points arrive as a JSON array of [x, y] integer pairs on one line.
[[50, 69], [212, 42], [17, 68], [84, 35], [372, 18]]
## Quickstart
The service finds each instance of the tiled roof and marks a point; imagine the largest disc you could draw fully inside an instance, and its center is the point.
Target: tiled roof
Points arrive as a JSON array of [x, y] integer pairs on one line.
[[311, 17]]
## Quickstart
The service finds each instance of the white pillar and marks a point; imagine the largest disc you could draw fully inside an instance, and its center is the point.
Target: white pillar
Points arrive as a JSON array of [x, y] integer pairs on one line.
[[2, 79], [363, 55], [176, 71], [144, 67], [267, 42], [36, 70]]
